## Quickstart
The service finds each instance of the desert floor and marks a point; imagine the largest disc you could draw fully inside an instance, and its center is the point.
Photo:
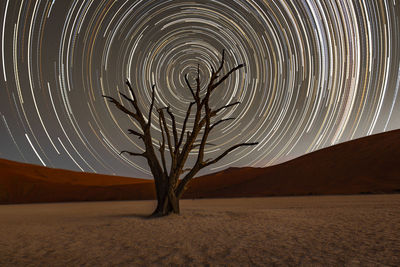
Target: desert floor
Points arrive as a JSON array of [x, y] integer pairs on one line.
[[315, 230]]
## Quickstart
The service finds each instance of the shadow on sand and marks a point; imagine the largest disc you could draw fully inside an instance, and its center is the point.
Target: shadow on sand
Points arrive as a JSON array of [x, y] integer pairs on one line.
[[140, 216], [131, 215]]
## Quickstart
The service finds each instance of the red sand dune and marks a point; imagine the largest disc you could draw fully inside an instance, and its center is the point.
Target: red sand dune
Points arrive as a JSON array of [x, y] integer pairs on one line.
[[25, 183], [366, 165]]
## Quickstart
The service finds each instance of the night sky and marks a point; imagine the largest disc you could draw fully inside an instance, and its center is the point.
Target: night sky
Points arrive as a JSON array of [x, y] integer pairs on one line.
[[317, 73]]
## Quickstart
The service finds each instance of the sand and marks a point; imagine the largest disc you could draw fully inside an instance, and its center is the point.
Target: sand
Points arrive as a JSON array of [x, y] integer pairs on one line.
[[315, 230]]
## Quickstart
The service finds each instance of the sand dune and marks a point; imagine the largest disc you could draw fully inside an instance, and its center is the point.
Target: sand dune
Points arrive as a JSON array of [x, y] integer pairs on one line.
[[27, 183], [281, 231], [366, 165]]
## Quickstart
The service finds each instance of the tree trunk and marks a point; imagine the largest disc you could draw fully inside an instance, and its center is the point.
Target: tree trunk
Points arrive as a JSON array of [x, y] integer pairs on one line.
[[160, 193], [167, 202], [173, 201]]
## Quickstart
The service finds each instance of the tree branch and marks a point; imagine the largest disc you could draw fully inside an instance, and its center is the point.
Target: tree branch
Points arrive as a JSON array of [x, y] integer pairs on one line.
[[151, 105], [162, 147], [133, 153], [149, 153], [226, 76], [174, 131], [190, 137], [182, 184], [227, 106], [196, 145], [121, 107], [198, 82], [184, 123], [141, 136], [185, 170], [200, 121], [127, 98], [209, 162], [221, 65], [207, 129], [162, 117], [131, 90], [134, 103], [220, 121], [190, 87], [212, 71]]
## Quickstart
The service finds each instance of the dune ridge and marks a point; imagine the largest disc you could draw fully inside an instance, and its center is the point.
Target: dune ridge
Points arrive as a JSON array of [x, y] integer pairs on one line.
[[366, 165]]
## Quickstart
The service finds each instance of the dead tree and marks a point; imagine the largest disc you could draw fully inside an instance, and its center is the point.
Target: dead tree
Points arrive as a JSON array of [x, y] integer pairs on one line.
[[169, 183]]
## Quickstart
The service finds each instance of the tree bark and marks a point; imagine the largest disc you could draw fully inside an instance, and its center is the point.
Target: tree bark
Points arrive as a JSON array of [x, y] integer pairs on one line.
[[173, 202], [167, 201], [160, 199]]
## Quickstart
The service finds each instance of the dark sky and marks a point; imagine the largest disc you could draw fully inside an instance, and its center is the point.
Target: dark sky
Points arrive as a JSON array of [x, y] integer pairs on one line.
[[317, 73]]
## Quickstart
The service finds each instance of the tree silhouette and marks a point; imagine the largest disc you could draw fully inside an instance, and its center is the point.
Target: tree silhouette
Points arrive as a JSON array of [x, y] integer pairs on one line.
[[168, 182]]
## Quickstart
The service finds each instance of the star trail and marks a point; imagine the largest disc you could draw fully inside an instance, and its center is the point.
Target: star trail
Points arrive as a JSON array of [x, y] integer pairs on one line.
[[317, 73]]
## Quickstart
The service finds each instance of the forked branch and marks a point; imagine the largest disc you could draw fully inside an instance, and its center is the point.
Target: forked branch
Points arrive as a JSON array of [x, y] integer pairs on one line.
[[226, 76], [120, 106], [136, 133]]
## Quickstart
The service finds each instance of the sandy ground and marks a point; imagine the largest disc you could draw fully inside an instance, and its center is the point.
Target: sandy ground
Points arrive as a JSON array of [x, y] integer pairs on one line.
[[316, 230]]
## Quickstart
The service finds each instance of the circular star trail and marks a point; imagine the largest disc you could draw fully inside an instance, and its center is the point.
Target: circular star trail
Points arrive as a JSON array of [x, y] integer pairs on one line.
[[317, 73]]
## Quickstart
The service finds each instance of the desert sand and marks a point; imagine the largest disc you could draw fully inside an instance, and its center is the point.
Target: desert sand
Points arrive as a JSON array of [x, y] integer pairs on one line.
[[313, 230], [366, 165]]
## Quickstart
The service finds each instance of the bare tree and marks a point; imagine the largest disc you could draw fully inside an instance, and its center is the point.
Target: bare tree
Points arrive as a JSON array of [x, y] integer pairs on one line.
[[169, 184]]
